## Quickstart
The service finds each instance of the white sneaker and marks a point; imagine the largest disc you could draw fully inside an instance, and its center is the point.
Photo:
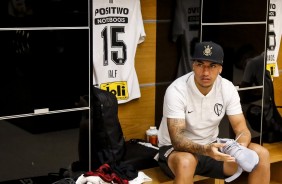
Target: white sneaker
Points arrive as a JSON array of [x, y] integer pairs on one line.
[[246, 158]]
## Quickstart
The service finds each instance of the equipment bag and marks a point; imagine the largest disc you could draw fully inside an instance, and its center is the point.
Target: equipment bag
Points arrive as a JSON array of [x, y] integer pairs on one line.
[[272, 120], [106, 138], [107, 141], [108, 144]]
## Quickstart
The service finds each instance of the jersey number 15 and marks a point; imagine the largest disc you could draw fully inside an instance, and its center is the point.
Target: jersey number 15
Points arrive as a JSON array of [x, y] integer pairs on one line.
[[115, 43]]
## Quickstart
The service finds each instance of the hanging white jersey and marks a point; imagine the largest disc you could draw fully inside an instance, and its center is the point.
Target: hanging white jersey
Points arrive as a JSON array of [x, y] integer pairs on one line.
[[274, 36], [117, 30]]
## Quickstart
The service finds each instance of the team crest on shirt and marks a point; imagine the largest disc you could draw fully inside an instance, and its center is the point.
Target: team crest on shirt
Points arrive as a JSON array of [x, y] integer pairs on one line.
[[218, 109], [207, 51]]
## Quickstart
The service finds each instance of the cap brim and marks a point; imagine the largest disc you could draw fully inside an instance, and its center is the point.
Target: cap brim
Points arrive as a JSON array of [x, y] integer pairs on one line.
[[206, 59]]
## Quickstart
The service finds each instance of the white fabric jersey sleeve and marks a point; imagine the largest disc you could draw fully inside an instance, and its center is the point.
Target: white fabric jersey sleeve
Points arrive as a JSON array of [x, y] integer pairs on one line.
[[202, 114], [117, 30]]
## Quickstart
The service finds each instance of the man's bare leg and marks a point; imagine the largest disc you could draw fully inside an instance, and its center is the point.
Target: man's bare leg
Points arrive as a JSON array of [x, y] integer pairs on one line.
[[183, 166], [261, 174]]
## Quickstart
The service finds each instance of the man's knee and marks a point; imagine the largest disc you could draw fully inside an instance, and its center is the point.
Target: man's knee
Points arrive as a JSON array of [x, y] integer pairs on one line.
[[183, 160], [262, 152]]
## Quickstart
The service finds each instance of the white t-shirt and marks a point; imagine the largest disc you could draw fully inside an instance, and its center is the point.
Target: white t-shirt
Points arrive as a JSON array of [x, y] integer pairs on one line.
[[117, 30], [202, 114]]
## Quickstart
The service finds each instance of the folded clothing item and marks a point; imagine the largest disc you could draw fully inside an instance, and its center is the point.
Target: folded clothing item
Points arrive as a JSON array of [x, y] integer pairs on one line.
[[106, 173], [246, 158], [89, 179]]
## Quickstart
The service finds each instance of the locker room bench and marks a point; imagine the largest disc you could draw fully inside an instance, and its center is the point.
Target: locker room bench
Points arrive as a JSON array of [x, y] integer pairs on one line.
[[158, 177], [275, 150]]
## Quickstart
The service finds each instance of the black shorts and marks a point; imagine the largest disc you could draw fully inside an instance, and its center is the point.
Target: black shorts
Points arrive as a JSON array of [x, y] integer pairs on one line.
[[207, 166]]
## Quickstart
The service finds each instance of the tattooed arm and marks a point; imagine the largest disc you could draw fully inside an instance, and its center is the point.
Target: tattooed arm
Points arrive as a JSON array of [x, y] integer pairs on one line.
[[180, 142]]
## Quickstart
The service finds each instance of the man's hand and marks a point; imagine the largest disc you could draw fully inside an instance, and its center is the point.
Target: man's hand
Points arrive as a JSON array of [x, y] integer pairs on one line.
[[213, 151]]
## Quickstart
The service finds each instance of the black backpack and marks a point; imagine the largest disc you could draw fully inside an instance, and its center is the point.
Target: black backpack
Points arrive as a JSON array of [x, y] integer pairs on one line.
[[108, 144], [272, 120], [107, 141]]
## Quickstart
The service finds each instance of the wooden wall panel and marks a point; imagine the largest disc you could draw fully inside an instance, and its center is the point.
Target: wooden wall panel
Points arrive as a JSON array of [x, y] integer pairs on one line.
[[277, 81], [280, 56], [145, 59], [138, 115], [149, 9]]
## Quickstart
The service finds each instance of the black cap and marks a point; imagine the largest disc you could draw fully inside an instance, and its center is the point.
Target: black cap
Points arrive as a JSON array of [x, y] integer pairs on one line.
[[208, 51]]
